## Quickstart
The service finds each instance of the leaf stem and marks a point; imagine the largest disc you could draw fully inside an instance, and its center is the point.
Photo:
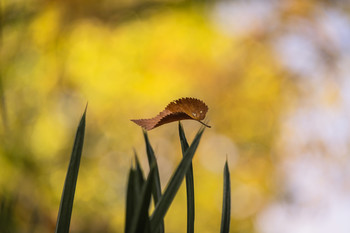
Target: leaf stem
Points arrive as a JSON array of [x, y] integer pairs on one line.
[[204, 124]]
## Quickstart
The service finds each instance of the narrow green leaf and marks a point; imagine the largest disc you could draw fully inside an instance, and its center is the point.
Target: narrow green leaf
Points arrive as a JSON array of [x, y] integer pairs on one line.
[[139, 172], [156, 187], [67, 198], [140, 222], [226, 202], [174, 184], [135, 184], [189, 183], [131, 200]]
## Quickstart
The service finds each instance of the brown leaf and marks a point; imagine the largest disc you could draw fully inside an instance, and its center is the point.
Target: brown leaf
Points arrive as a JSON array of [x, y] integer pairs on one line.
[[181, 109]]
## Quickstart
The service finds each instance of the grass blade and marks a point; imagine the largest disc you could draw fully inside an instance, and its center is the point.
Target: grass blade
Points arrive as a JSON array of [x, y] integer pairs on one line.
[[67, 198], [156, 187], [189, 183], [140, 223], [174, 184], [134, 189], [131, 200], [226, 202], [139, 173]]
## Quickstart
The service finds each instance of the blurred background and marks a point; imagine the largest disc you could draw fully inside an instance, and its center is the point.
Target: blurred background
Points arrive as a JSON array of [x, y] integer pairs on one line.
[[275, 75]]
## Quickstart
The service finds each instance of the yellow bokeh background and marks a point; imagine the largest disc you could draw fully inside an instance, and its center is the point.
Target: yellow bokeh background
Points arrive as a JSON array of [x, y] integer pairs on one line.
[[58, 56]]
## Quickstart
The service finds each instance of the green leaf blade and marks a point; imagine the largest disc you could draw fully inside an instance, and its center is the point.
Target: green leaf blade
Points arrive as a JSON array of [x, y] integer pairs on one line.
[[131, 200], [189, 183], [156, 187], [139, 173], [140, 221], [174, 183], [226, 202], [67, 198]]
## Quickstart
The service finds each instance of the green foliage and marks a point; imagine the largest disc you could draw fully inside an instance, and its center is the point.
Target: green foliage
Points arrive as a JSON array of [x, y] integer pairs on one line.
[[139, 191], [226, 202], [189, 183], [66, 206], [156, 187], [175, 182], [131, 199], [139, 221]]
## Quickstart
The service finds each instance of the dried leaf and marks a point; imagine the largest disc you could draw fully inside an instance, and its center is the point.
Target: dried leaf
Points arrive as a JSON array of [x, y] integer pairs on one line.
[[181, 109]]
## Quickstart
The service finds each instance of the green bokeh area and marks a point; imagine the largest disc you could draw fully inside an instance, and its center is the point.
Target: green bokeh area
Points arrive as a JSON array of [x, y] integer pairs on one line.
[[127, 60]]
